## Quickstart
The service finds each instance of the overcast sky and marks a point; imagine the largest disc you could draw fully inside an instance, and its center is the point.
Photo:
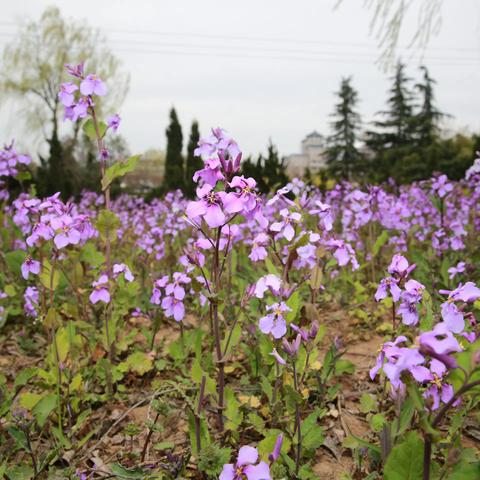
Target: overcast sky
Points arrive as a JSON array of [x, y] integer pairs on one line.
[[259, 68]]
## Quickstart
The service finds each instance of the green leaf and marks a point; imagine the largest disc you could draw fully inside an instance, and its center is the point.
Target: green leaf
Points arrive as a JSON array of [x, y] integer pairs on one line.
[[233, 413], [465, 471], [377, 422], [107, 224], [405, 461], [265, 447], [89, 129], [49, 278], [119, 169], [123, 472], [28, 400], [20, 472], [294, 303], [405, 418], [24, 376], [138, 362], [344, 366], [271, 267], [44, 407], [367, 403], [14, 261], [381, 240], [19, 437], [91, 255]]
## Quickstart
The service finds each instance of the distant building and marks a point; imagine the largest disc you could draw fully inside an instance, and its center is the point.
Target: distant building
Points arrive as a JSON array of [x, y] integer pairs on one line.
[[312, 157]]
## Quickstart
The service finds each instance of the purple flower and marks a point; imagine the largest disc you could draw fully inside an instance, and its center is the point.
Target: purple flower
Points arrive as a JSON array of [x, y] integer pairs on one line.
[[66, 94], [267, 282], [291, 348], [451, 314], [259, 252], [93, 85], [324, 213], [32, 301], [277, 357], [442, 186], [343, 252], [466, 293], [386, 285], [452, 317], [75, 71], [244, 200], [383, 352], [285, 227], [276, 449], [30, 266], [453, 271], [399, 266], [66, 233], [221, 145], [274, 323], [173, 308], [113, 122], [119, 268], [245, 467], [209, 206], [157, 286], [175, 287], [440, 343], [100, 291], [306, 334]]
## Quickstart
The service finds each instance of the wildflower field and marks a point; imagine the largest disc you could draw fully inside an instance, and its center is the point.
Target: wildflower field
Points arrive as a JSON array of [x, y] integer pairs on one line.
[[300, 335]]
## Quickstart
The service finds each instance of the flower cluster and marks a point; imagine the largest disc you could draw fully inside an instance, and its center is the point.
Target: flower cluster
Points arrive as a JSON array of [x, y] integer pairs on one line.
[[51, 219], [101, 287], [222, 195], [170, 293], [412, 292], [10, 160]]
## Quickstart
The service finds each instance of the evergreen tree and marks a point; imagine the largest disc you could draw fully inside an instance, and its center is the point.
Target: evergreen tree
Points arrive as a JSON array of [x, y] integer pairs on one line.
[[174, 176], [396, 129], [427, 119], [193, 163], [273, 169], [342, 153], [394, 135]]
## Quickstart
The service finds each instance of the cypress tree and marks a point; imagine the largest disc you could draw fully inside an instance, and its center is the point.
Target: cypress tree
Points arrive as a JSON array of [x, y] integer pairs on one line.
[[193, 163], [342, 153], [428, 117], [174, 176]]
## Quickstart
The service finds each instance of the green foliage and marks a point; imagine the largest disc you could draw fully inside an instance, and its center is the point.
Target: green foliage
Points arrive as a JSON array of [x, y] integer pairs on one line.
[[405, 461], [119, 169], [212, 458], [343, 155], [174, 171], [269, 171], [193, 162]]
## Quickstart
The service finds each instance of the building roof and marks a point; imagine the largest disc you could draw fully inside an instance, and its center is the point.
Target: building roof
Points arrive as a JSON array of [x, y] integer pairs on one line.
[[314, 134]]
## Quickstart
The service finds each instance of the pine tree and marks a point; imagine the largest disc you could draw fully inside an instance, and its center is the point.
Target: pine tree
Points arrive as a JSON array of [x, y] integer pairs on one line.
[[394, 135], [342, 153], [193, 162], [397, 128], [427, 119], [174, 176]]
